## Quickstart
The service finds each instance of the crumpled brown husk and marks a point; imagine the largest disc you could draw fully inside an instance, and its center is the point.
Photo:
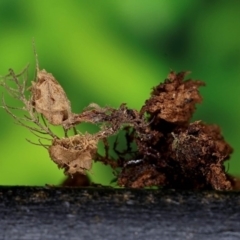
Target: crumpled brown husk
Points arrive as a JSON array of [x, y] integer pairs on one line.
[[49, 98], [74, 154]]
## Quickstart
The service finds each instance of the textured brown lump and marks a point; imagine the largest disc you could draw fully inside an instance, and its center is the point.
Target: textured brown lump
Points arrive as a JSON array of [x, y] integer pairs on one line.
[[174, 100], [176, 153], [74, 154]]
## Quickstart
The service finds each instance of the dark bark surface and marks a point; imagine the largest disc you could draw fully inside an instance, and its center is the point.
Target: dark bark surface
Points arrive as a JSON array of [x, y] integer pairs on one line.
[[104, 213]]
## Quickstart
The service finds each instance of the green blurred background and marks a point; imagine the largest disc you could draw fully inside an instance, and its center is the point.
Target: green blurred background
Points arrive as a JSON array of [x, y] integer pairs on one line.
[[110, 52]]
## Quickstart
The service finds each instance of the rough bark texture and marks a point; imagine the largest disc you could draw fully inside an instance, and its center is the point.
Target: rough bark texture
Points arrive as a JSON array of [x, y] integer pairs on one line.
[[104, 213]]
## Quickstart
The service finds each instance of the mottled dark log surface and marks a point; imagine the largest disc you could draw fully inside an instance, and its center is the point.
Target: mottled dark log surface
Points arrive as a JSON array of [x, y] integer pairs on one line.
[[104, 213]]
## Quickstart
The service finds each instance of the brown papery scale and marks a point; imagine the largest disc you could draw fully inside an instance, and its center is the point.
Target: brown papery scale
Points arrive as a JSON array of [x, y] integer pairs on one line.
[[74, 154], [49, 98]]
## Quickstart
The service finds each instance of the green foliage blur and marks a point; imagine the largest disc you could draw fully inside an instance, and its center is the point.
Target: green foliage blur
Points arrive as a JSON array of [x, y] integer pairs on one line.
[[113, 52]]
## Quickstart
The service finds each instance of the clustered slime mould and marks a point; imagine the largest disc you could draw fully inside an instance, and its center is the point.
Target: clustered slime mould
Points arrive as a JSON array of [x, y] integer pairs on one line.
[[171, 151]]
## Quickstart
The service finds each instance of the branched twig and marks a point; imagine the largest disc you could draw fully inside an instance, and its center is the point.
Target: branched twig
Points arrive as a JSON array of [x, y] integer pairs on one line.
[[19, 93], [39, 144]]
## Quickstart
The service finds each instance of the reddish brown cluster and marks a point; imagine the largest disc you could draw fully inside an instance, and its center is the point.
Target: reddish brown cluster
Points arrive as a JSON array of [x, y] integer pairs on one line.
[[176, 153], [174, 100]]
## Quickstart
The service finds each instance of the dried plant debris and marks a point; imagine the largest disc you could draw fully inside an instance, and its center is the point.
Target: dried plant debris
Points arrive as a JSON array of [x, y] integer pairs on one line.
[[171, 152]]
